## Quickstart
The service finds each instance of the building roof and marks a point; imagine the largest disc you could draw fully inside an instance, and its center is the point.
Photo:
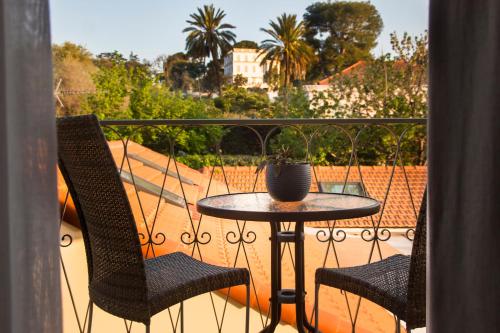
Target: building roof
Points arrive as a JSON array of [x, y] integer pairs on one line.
[[358, 66], [244, 49], [169, 223]]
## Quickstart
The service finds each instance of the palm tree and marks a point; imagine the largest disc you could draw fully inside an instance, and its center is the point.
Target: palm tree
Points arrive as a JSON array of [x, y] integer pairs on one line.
[[209, 37], [287, 48]]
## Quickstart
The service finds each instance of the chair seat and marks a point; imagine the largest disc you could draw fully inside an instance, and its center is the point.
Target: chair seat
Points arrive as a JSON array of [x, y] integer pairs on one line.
[[384, 282], [175, 277]]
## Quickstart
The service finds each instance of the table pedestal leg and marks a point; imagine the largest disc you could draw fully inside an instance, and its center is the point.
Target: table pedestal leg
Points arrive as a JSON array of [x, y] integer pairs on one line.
[[275, 278], [303, 324], [279, 296]]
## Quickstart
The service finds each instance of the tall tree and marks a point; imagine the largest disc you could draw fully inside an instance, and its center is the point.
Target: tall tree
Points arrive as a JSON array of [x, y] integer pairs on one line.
[[286, 49], [181, 72], [112, 88], [208, 36], [73, 71], [342, 33]]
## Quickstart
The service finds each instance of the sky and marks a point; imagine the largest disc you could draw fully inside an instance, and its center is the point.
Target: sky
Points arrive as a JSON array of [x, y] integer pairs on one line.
[[150, 28]]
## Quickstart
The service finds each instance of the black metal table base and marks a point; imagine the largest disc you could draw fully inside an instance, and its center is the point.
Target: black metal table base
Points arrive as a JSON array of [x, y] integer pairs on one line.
[[287, 296]]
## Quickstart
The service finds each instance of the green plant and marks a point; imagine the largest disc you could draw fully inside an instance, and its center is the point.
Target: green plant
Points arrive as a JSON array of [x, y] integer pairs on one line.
[[284, 156]]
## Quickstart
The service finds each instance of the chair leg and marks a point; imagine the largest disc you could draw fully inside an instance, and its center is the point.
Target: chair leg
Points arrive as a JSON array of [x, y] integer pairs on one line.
[[247, 310], [316, 308], [91, 312], [147, 328], [182, 317], [398, 325]]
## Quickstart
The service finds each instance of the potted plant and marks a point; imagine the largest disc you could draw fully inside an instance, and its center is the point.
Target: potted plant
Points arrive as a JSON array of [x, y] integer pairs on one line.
[[287, 179]]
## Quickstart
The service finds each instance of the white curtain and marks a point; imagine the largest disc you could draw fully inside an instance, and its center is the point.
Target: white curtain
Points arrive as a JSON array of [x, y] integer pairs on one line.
[[29, 254]]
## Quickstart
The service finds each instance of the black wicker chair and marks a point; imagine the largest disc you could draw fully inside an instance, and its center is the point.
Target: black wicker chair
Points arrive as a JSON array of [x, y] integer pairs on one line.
[[121, 282], [396, 283]]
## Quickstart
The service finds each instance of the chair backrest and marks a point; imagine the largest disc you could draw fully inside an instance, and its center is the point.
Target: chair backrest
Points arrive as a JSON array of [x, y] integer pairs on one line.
[[417, 277], [114, 257]]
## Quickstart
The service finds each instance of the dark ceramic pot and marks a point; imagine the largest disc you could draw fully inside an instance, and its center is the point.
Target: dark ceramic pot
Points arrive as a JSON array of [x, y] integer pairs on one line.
[[288, 182]]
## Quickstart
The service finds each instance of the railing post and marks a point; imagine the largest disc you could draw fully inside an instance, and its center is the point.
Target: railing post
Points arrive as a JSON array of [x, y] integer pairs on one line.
[[30, 299]]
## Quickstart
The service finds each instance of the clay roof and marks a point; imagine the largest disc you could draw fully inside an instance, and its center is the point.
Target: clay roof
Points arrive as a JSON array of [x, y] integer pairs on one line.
[[399, 212], [358, 69], [358, 66]]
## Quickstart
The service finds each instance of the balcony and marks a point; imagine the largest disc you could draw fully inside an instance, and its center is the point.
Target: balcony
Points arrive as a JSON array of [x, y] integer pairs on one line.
[[380, 158]]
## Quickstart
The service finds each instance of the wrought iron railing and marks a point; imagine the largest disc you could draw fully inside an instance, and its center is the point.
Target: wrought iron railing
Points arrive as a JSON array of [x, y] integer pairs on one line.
[[349, 143]]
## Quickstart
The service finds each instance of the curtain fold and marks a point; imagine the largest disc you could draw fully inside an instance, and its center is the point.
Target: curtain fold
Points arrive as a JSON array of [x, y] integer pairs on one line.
[[30, 299], [464, 167]]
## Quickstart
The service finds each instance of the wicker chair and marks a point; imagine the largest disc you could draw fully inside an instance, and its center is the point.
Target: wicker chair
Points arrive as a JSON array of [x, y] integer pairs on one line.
[[396, 283], [121, 282]]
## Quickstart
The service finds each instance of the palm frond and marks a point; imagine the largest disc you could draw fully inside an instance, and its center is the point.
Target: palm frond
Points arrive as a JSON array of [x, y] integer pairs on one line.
[[286, 47]]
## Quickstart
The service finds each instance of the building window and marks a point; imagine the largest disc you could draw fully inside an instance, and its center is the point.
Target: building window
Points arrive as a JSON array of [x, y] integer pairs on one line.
[[246, 69], [355, 188], [237, 69]]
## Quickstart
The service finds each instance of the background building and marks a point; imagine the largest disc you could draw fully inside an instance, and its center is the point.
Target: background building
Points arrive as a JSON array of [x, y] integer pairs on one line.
[[245, 62]]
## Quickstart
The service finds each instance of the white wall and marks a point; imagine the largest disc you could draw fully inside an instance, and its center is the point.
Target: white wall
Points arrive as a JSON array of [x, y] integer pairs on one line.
[[245, 62]]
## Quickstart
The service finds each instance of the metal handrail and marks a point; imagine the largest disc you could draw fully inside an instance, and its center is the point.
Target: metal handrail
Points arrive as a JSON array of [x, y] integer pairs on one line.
[[266, 122]]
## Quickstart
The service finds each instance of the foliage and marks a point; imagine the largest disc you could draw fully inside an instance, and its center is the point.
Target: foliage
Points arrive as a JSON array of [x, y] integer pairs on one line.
[[241, 102], [213, 78], [110, 59], [208, 36], [198, 161], [272, 78], [342, 33], [126, 89], [292, 103], [112, 84], [73, 71], [165, 104], [246, 44], [384, 87], [240, 81], [282, 156], [286, 50], [70, 50], [181, 72]]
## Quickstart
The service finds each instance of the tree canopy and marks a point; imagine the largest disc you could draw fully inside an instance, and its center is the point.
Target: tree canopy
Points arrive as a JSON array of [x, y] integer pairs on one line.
[[181, 72], [342, 33], [208, 36], [286, 49], [73, 76]]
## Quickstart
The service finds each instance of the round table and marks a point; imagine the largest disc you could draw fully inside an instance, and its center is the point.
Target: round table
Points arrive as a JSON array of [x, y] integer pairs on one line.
[[261, 207]]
